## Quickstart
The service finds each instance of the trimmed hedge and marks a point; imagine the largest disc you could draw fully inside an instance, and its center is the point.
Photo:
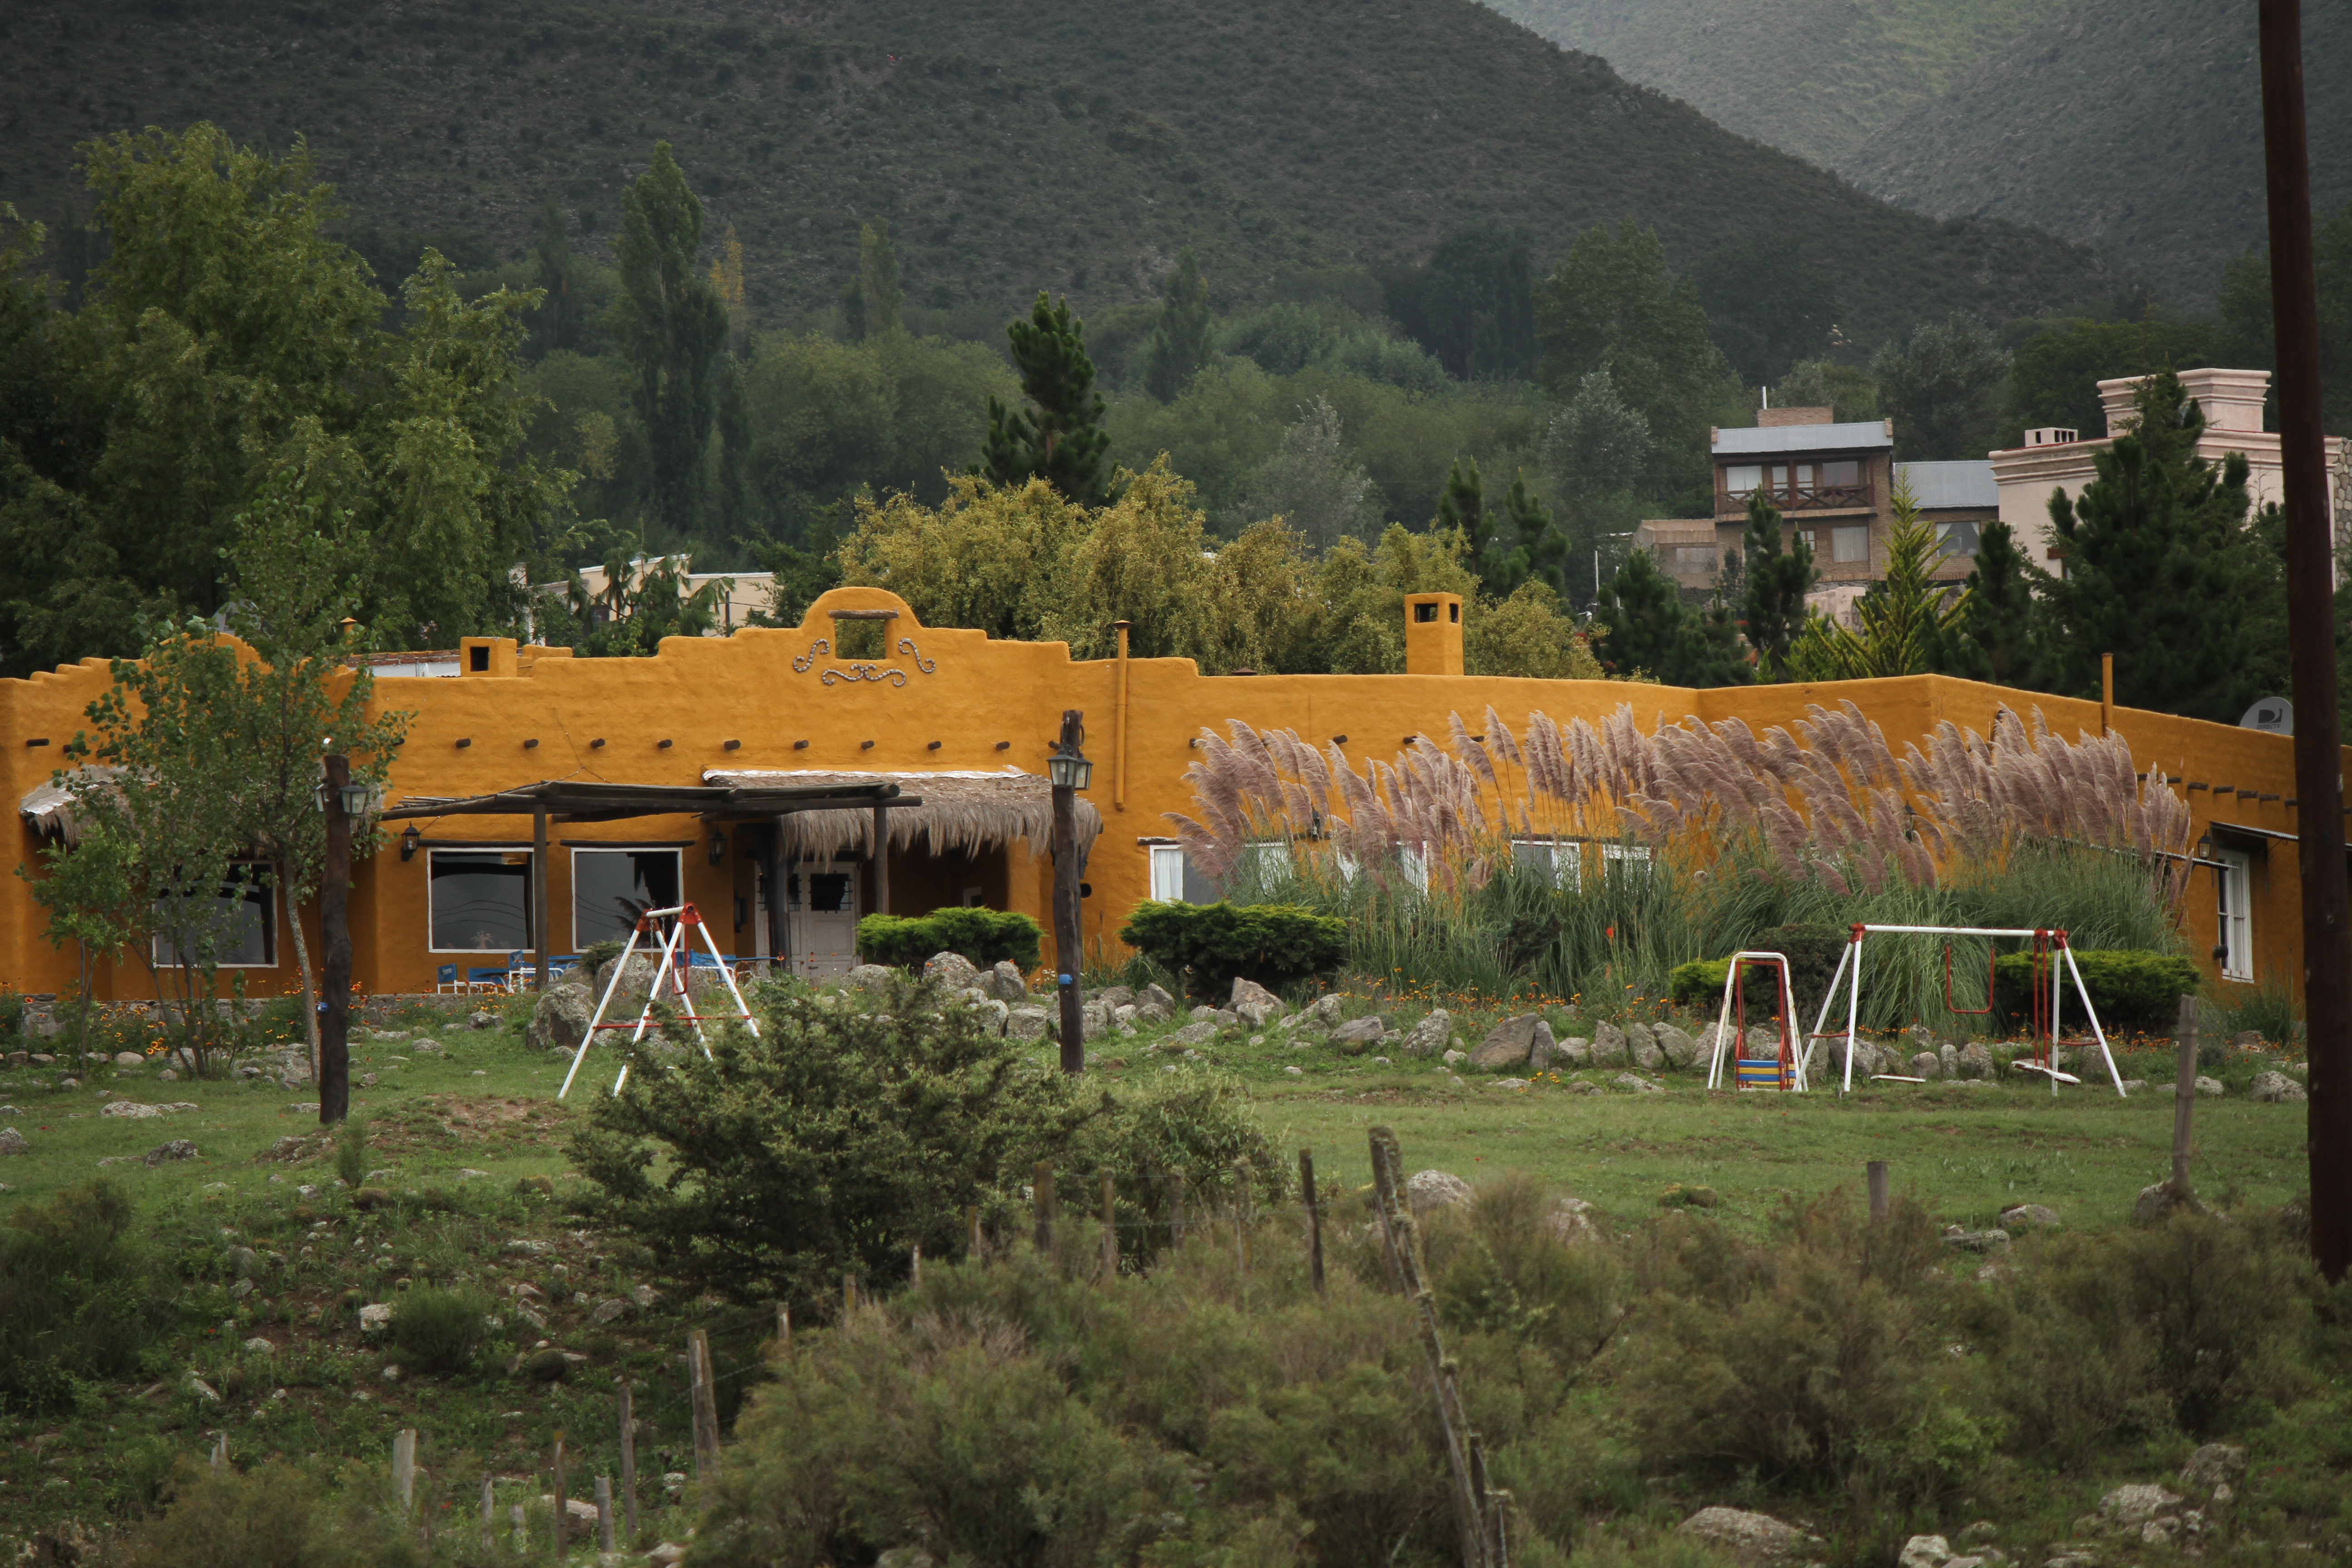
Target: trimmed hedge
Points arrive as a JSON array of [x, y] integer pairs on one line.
[[985, 936], [1812, 950], [1213, 945], [2133, 989]]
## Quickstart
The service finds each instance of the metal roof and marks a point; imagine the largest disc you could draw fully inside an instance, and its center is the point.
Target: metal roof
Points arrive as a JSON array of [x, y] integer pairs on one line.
[[1863, 435], [1953, 484]]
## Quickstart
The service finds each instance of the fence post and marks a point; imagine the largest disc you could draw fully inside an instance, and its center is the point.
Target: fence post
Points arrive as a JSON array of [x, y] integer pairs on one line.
[[2184, 1093], [605, 1513], [785, 1328], [848, 1296], [1176, 1208], [1875, 1172], [521, 1530], [628, 1459], [563, 1504], [403, 1467], [705, 1405], [1241, 1215], [1110, 1226], [1382, 1180], [1462, 1447], [1041, 1194], [915, 1265], [1314, 1218], [489, 1513], [973, 1246]]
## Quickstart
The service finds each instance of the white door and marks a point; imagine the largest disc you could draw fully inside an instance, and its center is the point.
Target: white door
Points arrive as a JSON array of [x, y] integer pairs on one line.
[[823, 920], [2237, 924]]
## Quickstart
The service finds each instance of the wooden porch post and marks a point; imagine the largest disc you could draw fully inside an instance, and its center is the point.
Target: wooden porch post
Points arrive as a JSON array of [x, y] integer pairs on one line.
[[540, 919], [881, 860]]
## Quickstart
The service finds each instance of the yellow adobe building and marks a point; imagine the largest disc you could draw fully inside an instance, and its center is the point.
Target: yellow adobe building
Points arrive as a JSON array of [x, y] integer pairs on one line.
[[963, 725]]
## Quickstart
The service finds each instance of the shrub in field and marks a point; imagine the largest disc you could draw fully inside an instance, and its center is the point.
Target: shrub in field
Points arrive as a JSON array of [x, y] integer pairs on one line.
[[438, 1330], [1213, 945], [79, 1298], [2132, 990], [350, 1152], [987, 937], [229, 1519]]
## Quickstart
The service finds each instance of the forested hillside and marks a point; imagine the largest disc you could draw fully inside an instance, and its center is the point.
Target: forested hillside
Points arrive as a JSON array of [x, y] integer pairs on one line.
[[1057, 144]]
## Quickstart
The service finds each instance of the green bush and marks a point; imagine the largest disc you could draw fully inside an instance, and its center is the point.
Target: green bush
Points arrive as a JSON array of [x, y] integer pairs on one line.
[[2133, 990], [352, 1151], [1213, 945], [1813, 949], [438, 1330], [79, 1300], [987, 937]]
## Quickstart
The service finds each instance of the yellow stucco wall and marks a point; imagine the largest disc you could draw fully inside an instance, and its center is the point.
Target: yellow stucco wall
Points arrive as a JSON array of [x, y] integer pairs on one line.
[[987, 705]]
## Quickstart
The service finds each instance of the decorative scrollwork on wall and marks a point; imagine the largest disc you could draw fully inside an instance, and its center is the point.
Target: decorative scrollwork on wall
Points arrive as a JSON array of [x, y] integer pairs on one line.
[[856, 672], [907, 646], [807, 661]]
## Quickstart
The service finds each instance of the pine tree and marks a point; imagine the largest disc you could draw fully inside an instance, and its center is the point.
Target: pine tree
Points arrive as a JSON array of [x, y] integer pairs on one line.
[[1772, 610], [1647, 622], [1180, 341], [1462, 507], [1995, 641], [1905, 622], [2162, 571], [881, 302], [1538, 548], [1059, 436], [673, 325], [734, 447]]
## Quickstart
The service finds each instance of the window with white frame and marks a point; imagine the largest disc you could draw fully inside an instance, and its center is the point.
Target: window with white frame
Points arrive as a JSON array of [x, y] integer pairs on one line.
[[236, 926], [478, 900], [1634, 858], [611, 887], [1962, 538], [1176, 879], [1560, 859], [2235, 910], [1850, 541]]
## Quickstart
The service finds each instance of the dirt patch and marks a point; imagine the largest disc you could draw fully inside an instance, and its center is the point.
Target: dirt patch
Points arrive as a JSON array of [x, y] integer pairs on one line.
[[448, 1121]]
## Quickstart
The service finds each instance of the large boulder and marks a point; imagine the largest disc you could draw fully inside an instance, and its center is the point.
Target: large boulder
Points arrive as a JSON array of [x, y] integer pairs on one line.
[[1608, 1045], [1751, 1540], [1155, 995], [1925, 1551], [1004, 983], [1973, 1061], [1253, 1002], [1427, 1190], [869, 977], [12, 1142], [1641, 1042], [1541, 1054], [1357, 1035], [1431, 1035], [1191, 1034], [1571, 1220], [1507, 1044], [951, 970], [1027, 1023], [1679, 1050], [2276, 1089], [2215, 1465], [1573, 1052], [560, 1018], [1927, 1065]]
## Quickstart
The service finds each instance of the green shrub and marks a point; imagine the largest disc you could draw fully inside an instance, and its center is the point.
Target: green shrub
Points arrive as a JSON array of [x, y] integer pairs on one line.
[[228, 1519], [79, 1298], [2133, 990], [1813, 952], [438, 1330], [351, 1152], [1213, 945], [987, 937]]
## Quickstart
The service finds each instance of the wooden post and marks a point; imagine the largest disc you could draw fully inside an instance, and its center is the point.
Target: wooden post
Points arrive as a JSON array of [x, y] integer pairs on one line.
[[542, 919], [881, 860], [1069, 941], [848, 1296], [403, 1467], [1314, 1218], [220, 1452], [489, 1513], [521, 1529], [563, 1503], [2106, 693], [1875, 1172], [1469, 1507], [1110, 1227], [332, 1073], [705, 1405], [1041, 1195], [780, 903], [1383, 1179], [915, 1265], [605, 1513], [1176, 1208], [784, 1328], [975, 1245], [1241, 1215], [2184, 1093], [628, 1460]]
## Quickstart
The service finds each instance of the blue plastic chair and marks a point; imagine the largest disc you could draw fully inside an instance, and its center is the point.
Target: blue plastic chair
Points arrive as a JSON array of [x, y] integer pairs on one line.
[[444, 979], [495, 979]]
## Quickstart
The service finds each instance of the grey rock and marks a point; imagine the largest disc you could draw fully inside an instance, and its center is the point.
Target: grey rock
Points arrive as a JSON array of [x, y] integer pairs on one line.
[[611, 1311], [1451, 1058], [1973, 1061], [1762, 1041], [1642, 1044], [1427, 1190], [867, 977], [1510, 1083], [2028, 1215], [1254, 1004], [1326, 1007], [376, 1318], [1573, 1052], [1947, 1062], [479, 1019], [1681, 1050], [1431, 1035], [1154, 995], [131, 1108], [558, 1020], [2128, 1508], [1751, 1540], [1632, 1085], [2247, 1041], [2215, 1465], [951, 970], [1094, 1018], [245, 1262], [1152, 1012], [1029, 1023], [993, 1013], [129, 1059], [1204, 1014], [1005, 983], [1199, 1034], [1959, 1240], [1927, 1065], [2276, 1089], [1923, 1551], [433, 1047], [1540, 1053], [1117, 996], [1507, 1044], [1354, 1036], [178, 1148], [1571, 1220], [2209, 1086], [12, 1142], [1608, 1045]]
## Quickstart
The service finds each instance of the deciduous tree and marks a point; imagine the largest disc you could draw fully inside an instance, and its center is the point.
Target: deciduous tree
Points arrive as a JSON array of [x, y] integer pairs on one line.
[[1941, 386], [672, 324]]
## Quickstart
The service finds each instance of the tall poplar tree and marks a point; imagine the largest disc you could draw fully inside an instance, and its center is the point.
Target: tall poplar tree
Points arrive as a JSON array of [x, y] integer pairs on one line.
[[1180, 341], [1059, 436], [672, 323], [1772, 608]]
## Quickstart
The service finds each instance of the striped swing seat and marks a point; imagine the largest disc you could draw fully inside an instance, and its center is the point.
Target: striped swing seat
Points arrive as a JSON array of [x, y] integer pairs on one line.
[[1760, 1072]]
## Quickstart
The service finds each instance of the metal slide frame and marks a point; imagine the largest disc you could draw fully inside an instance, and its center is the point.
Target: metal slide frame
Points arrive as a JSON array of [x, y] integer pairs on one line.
[[673, 964], [2044, 938], [1795, 1059]]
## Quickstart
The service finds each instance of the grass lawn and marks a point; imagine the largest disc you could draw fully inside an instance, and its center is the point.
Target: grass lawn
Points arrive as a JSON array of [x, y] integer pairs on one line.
[[468, 1150]]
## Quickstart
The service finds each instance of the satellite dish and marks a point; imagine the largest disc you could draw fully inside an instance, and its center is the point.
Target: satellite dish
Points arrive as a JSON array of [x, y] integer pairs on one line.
[[2272, 716]]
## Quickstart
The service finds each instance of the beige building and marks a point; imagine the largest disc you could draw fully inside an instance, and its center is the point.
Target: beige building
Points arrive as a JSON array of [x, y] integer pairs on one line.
[[2057, 459]]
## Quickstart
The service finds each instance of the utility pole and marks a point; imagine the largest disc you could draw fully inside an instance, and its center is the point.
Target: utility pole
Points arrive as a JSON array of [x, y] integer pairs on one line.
[[1070, 773], [2310, 584], [334, 1084]]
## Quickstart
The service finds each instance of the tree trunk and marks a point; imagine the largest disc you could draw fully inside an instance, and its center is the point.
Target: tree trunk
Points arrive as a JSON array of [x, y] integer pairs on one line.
[[301, 964]]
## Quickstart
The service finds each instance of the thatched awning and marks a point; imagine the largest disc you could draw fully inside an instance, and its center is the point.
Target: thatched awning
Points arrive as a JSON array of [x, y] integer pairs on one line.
[[47, 807], [960, 811]]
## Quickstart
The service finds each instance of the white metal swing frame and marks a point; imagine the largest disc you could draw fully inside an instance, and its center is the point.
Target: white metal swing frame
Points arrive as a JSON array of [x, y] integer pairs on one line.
[[1789, 1054], [1849, 969], [673, 964]]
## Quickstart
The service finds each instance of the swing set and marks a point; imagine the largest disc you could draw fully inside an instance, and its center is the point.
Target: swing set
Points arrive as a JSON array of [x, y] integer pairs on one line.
[[672, 967], [2053, 966]]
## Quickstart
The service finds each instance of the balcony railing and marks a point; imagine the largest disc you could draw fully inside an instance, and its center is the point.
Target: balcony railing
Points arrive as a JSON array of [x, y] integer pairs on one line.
[[1806, 497]]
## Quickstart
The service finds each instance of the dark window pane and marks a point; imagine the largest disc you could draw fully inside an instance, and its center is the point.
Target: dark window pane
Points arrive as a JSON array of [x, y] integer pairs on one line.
[[481, 902], [237, 927], [610, 887]]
